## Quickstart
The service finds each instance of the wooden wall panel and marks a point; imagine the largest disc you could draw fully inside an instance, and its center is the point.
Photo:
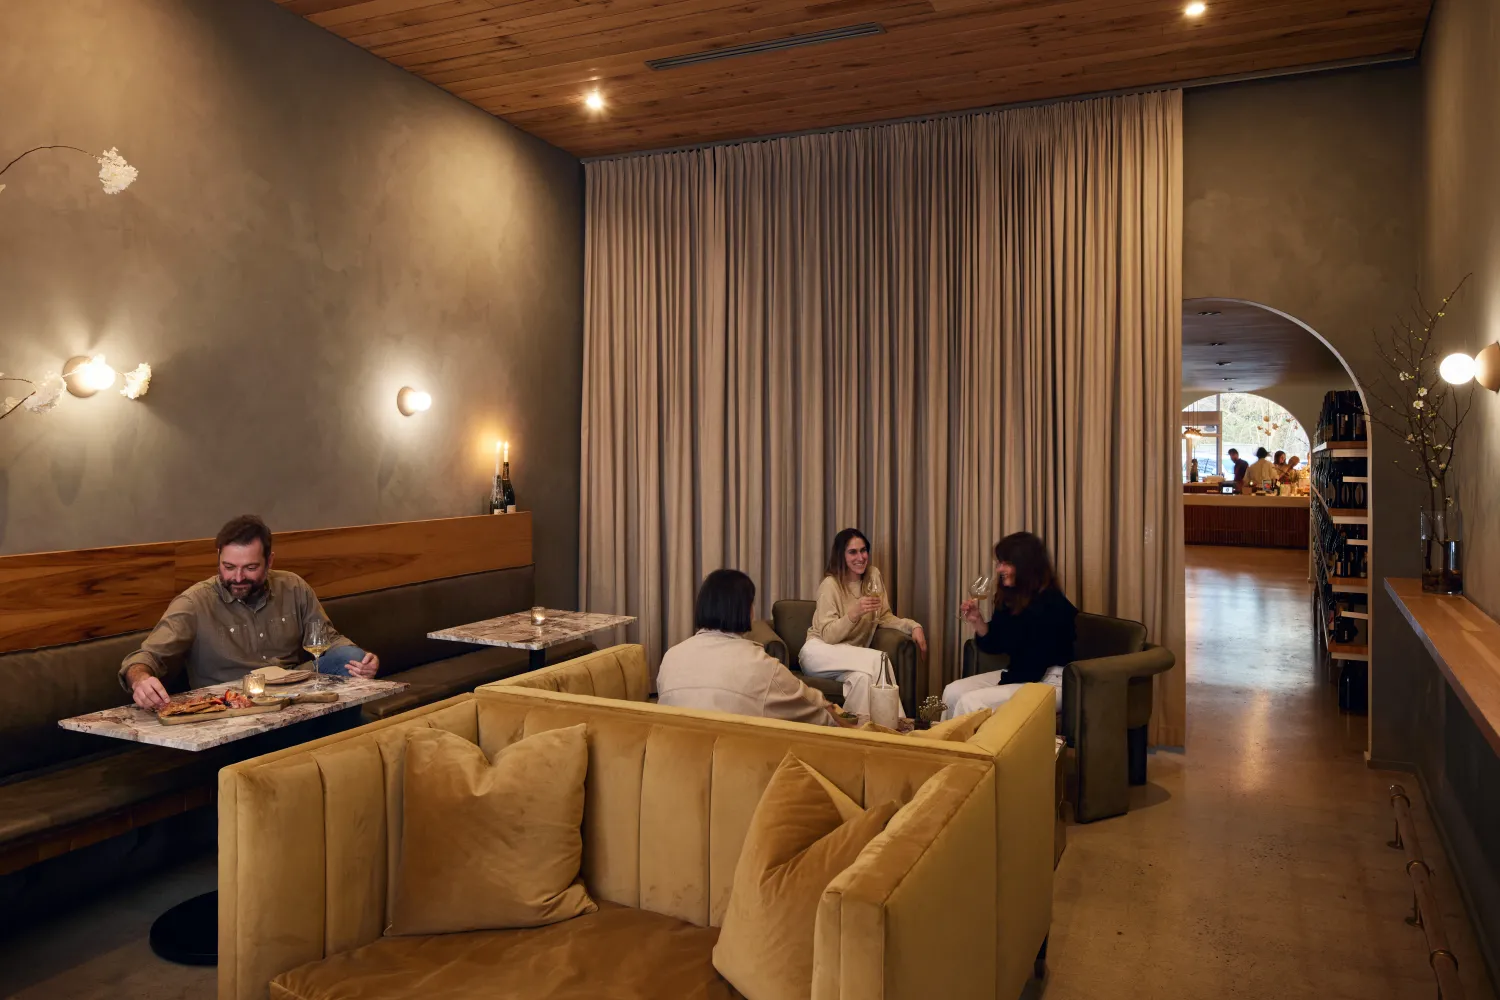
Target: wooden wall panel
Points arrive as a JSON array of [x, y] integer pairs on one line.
[[48, 598]]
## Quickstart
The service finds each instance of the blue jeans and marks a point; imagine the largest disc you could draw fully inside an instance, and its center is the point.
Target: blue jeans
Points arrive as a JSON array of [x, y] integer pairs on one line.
[[336, 660]]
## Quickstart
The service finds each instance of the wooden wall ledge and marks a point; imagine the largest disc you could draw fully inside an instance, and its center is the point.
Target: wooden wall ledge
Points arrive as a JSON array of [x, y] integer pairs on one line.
[[1464, 641]]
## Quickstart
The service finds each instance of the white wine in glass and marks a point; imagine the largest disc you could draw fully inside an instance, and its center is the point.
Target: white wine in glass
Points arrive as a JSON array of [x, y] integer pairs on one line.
[[318, 638], [979, 589]]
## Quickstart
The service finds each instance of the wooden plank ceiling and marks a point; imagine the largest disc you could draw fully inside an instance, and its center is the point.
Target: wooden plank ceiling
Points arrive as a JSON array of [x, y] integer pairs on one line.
[[533, 62]]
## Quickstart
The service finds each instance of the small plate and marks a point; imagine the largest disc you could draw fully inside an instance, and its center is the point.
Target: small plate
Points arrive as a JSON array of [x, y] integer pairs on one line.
[[292, 677]]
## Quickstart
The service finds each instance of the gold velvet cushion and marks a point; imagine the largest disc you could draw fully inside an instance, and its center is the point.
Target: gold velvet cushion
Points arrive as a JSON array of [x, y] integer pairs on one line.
[[490, 844], [804, 832], [957, 730], [618, 953]]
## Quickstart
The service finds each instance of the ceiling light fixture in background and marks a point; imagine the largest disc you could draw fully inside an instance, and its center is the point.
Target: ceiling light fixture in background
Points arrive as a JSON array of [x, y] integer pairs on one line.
[[1195, 9], [594, 101], [1210, 312]]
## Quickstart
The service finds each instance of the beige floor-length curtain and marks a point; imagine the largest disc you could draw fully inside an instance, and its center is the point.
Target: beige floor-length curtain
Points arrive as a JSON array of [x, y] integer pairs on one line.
[[939, 331]]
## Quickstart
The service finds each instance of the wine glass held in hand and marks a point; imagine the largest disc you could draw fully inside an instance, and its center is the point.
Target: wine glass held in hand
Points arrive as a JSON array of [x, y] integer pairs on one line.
[[872, 588]]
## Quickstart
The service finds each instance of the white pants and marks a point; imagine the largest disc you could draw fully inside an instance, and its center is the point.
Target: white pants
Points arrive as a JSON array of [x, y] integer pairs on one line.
[[970, 694], [856, 666]]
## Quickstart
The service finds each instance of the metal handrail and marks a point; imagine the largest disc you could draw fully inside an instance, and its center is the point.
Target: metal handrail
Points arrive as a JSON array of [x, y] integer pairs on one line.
[[1424, 910]]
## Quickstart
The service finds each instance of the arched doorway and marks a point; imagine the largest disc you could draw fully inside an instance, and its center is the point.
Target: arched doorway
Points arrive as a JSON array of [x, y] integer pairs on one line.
[[1244, 362]]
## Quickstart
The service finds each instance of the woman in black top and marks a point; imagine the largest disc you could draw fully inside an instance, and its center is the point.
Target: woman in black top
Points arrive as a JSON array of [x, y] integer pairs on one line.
[[1033, 624]]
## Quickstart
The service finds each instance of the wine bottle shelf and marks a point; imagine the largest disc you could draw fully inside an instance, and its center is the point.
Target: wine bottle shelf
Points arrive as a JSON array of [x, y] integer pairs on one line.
[[1342, 515], [1340, 537], [1343, 449]]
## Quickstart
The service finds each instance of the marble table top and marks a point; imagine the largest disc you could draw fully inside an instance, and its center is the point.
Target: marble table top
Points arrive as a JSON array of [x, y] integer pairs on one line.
[[516, 631], [140, 726]]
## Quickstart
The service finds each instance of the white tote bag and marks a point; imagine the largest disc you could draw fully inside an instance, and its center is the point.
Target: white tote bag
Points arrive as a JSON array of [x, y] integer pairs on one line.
[[885, 696]]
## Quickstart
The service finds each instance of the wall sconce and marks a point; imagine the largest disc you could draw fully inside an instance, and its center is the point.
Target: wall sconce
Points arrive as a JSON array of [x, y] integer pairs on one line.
[[1484, 368], [86, 374], [410, 401]]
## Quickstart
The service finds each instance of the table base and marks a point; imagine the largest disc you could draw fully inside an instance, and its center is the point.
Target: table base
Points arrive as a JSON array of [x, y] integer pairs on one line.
[[188, 933], [536, 658]]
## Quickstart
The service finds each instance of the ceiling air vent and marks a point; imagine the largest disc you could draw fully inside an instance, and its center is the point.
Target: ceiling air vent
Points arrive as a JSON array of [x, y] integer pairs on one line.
[[775, 45]]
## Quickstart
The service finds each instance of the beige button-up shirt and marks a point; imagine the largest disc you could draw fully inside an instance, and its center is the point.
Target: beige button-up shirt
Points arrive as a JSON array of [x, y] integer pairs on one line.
[[220, 638], [729, 673]]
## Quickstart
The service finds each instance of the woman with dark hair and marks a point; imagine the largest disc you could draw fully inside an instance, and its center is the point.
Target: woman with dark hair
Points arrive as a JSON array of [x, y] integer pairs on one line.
[[852, 603], [1033, 624], [718, 668]]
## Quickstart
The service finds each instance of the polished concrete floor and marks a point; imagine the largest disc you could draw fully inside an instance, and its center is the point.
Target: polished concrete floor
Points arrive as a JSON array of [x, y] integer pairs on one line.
[[1254, 865]]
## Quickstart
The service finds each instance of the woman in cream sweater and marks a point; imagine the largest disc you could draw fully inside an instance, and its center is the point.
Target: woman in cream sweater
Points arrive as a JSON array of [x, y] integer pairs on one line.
[[718, 668], [852, 603]]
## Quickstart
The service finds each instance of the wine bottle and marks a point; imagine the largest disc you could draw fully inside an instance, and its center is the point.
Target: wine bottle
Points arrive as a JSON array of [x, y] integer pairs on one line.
[[507, 492], [497, 497]]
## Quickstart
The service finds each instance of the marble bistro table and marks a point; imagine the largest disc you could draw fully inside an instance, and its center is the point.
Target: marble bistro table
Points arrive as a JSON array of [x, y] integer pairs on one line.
[[517, 631], [188, 933]]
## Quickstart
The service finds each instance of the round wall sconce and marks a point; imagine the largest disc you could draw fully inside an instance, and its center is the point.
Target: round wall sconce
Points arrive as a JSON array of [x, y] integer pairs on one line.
[[1487, 368], [410, 401], [85, 375], [1459, 368]]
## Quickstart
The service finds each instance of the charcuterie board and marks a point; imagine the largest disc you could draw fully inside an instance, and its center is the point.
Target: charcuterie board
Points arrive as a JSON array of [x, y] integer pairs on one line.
[[261, 707]]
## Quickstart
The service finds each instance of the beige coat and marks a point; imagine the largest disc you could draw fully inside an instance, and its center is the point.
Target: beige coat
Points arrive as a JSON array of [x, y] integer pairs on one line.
[[831, 619], [728, 673]]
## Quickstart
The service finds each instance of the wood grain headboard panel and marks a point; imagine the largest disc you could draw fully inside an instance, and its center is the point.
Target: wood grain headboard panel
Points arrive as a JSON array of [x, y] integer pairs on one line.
[[49, 598]]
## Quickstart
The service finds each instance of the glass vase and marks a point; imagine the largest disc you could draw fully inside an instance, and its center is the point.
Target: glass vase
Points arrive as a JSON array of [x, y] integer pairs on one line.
[[1442, 551]]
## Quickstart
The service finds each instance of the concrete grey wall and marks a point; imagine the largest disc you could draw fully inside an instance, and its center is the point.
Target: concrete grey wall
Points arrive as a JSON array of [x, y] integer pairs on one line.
[[1299, 194], [312, 229], [1461, 72]]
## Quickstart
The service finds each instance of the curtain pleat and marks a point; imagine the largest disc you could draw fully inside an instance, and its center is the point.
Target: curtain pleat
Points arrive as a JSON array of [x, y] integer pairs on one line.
[[939, 332]]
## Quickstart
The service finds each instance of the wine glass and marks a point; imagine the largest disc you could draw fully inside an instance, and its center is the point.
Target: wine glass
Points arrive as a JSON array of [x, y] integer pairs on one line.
[[979, 589], [317, 638]]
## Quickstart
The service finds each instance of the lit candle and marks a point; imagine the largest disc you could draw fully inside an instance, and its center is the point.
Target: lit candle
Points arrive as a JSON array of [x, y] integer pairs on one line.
[[254, 684], [497, 458], [507, 451]]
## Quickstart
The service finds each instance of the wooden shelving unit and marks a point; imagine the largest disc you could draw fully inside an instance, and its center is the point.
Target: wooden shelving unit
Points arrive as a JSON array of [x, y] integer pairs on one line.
[[1342, 603]]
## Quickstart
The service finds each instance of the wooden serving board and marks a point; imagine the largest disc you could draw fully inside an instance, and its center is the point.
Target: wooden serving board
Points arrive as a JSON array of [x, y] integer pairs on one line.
[[228, 713]]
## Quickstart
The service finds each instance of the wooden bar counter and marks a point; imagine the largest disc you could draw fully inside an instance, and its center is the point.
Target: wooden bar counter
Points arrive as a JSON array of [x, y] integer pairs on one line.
[[1245, 519]]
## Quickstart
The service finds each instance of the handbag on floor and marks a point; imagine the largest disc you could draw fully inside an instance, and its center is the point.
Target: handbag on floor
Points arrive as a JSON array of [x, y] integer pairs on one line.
[[885, 696]]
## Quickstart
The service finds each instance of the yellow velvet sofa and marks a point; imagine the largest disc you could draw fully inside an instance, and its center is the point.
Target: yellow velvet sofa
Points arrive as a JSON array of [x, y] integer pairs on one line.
[[621, 672], [929, 909], [616, 672]]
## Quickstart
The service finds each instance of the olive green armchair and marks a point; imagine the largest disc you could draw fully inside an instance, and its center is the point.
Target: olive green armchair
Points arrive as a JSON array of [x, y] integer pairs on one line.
[[1107, 695], [785, 633]]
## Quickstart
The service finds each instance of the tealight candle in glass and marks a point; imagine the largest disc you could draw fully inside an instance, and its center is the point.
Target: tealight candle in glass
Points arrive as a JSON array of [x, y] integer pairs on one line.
[[254, 684], [538, 616]]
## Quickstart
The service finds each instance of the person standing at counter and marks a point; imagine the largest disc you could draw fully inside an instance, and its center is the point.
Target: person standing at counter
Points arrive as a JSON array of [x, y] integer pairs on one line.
[[1292, 473], [1279, 460], [1240, 468], [1263, 471]]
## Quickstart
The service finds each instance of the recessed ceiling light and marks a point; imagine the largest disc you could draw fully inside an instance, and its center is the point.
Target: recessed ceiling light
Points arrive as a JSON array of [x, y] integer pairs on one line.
[[1228, 380], [1217, 343], [1195, 9], [1221, 364], [594, 101], [1209, 312]]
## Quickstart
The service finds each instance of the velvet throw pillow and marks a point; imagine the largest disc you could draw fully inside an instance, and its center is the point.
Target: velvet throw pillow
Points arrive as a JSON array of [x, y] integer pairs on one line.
[[490, 844], [956, 730], [803, 833]]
